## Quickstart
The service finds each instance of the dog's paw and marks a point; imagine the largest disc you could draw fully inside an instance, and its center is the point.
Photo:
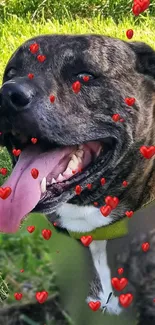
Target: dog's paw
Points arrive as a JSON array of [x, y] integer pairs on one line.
[[111, 306]]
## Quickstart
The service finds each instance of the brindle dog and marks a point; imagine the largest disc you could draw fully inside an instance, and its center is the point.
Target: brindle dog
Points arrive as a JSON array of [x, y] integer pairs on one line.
[[41, 98]]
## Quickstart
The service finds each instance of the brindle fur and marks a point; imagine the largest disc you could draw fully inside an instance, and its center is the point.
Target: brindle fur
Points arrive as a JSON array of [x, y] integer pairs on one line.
[[122, 69]]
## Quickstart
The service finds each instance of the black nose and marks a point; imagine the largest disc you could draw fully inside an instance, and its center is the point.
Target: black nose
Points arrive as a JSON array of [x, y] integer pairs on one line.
[[16, 96]]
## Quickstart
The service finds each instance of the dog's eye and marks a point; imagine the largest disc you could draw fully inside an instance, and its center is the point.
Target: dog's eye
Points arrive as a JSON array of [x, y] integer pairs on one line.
[[85, 76], [10, 73]]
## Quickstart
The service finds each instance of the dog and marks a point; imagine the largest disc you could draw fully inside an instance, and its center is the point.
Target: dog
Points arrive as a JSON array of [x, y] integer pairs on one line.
[[68, 93]]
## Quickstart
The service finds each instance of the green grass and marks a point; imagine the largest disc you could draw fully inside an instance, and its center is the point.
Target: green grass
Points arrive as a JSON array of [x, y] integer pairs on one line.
[[30, 251], [35, 9]]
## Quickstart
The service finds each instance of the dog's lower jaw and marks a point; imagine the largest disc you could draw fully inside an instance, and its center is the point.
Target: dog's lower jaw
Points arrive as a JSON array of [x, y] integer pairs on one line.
[[109, 303]]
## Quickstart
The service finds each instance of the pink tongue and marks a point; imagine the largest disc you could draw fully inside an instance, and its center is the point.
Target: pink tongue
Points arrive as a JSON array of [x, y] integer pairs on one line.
[[26, 191]]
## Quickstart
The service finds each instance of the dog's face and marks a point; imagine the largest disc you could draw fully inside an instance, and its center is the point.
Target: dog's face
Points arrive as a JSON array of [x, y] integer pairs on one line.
[[78, 140]]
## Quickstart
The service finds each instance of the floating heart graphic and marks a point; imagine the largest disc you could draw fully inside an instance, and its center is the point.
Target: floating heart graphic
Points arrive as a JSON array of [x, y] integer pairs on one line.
[[18, 296], [16, 152], [30, 75], [119, 284], [129, 33], [103, 181], [78, 189], [144, 4], [129, 101], [125, 183], [147, 152], [122, 120], [105, 210], [120, 270], [34, 173], [46, 233], [34, 140], [41, 296], [31, 229], [34, 48], [145, 247], [22, 270], [5, 192], [112, 201], [94, 305], [95, 204], [86, 78], [41, 58], [86, 240], [136, 9], [129, 214], [89, 186], [126, 299], [52, 98], [76, 86], [3, 171], [116, 117], [55, 224]]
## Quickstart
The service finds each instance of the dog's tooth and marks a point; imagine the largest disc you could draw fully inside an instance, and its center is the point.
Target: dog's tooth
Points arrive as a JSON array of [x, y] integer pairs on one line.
[[98, 152], [72, 165], [60, 178], [79, 160], [67, 172], [43, 185], [53, 181], [75, 159], [79, 153]]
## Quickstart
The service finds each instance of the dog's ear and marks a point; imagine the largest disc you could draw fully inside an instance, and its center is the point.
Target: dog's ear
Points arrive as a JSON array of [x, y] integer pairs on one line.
[[145, 58]]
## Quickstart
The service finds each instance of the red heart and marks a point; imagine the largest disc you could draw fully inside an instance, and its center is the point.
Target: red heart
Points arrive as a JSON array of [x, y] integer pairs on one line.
[[41, 58], [136, 9], [86, 78], [78, 189], [112, 201], [119, 284], [18, 296], [52, 98], [126, 299], [129, 101], [103, 181], [89, 186], [41, 296], [105, 210], [16, 152], [144, 5], [122, 120], [76, 86], [145, 247], [3, 171], [94, 305], [30, 75], [34, 48], [125, 183], [34, 173], [46, 233], [120, 270], [31, 229], [129, 214], [129, 33], [5, 192], [86, 240], [22, 270], [95, 204], [147, 152], [116, 117], [34, 140]]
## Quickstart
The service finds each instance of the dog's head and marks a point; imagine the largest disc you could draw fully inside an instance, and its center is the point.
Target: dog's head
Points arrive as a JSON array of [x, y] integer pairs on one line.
[[64, 90]]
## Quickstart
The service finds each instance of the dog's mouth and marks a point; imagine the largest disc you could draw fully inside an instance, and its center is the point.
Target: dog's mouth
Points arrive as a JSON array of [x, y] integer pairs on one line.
[[59, 169]]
